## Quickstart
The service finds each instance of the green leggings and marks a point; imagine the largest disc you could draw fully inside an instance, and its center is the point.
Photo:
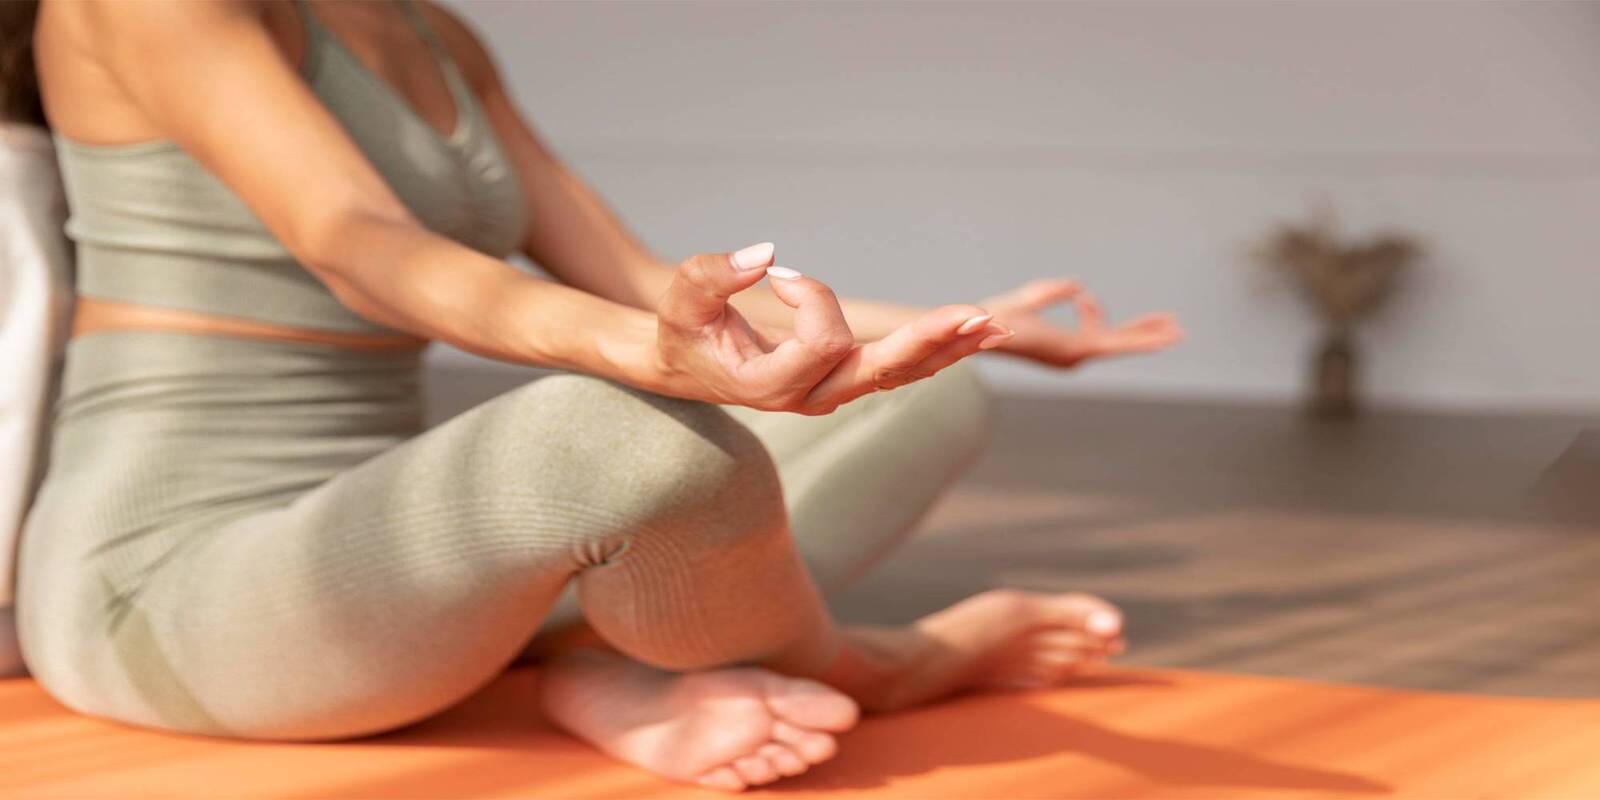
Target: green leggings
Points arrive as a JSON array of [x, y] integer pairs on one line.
[[254, 539]]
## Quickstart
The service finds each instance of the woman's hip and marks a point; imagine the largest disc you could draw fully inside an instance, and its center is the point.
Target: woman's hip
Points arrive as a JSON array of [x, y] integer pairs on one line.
[[161, 439]]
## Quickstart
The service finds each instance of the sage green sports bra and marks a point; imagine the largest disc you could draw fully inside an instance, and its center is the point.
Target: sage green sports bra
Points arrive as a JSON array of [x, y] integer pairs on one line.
[[153, 227]]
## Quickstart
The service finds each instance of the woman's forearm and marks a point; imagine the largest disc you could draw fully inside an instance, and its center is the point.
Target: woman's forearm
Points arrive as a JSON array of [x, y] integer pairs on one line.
[[401, 275], [576, 237]]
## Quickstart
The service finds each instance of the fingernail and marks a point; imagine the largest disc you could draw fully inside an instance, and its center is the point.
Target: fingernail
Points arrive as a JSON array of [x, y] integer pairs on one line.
[[756, 255], [783, 272], [973, 323], [995, 341], [1103, 623]]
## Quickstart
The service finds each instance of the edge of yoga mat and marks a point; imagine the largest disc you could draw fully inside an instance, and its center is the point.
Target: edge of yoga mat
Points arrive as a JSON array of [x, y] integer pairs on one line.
[[1127, 733]]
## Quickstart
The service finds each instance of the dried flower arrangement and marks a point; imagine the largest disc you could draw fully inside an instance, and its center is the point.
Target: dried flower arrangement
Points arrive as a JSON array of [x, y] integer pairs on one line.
[[1343, 283]]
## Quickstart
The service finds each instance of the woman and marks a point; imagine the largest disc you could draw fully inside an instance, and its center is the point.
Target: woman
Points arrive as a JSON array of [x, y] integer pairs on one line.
[[244, 532]]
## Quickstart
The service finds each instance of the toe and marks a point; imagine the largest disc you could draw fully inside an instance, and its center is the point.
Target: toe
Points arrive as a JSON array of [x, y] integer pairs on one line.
[[814, 746], [755, 770], [1087, 613], [787, 762], [1056, 659], [809, 704], [1064, 671], [723, 778], [1059, 639], [1049, 669]]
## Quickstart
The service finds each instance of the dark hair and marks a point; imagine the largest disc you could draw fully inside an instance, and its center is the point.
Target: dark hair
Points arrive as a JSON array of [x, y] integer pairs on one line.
[[19, 83]]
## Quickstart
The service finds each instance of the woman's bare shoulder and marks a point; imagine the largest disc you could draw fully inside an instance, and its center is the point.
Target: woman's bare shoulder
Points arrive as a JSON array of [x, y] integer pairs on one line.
[[89, 52], [99, 18]]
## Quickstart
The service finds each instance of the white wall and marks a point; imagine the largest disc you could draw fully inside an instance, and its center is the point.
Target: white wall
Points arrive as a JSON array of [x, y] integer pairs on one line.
[[940, 152]]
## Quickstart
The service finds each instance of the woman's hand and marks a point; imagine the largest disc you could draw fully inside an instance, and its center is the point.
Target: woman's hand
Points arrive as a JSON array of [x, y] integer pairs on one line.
[[1055, 345], [708, 351]]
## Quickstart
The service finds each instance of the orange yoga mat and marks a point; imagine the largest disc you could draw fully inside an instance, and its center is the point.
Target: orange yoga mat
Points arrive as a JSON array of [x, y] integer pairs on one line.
[[1129, 733]]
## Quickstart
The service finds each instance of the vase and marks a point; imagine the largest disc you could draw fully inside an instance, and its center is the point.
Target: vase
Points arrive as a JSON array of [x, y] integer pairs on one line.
[[1333, 377]]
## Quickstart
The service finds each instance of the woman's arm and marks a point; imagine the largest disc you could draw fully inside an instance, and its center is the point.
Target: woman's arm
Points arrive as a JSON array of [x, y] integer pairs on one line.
[[210, 77], [575, 237], [571, 233]]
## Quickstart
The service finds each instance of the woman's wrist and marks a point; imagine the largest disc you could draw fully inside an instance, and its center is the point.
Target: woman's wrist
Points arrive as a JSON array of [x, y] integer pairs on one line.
[[630, 352], [567, 329]]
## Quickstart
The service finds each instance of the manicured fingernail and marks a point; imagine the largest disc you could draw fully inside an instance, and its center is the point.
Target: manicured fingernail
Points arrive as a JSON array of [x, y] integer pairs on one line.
[[973, 323], [1103, 623], [754, 256], [783, 272], [995, 341]]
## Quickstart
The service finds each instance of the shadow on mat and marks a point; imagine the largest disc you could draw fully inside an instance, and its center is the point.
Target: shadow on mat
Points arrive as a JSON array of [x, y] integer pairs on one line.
[[992, 730], [982, 730]]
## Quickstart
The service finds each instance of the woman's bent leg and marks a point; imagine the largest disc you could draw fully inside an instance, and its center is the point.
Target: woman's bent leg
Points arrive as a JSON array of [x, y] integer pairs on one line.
[[857, 481], [398, 587]]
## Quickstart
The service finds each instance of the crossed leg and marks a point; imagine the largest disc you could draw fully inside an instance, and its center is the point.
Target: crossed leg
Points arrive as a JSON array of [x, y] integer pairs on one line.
[[396, 588], [855, 483]]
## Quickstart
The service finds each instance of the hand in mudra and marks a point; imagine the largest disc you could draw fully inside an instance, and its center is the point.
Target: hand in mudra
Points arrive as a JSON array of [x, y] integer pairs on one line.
[[1047, 342], [708, 351]]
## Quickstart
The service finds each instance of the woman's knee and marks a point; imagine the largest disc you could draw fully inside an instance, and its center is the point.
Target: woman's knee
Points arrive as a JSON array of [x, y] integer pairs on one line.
[[647, 461]]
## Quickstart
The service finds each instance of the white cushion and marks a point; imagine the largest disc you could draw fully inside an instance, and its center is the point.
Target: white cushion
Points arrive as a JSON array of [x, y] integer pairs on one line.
[[35, 309]]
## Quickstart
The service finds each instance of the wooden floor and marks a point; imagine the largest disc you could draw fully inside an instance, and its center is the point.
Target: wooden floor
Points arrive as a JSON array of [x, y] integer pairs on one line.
[[1445, 552], [1427, 551]]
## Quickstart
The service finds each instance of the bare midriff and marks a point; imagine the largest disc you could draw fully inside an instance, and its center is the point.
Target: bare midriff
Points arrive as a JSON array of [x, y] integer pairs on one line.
[[93, 315]]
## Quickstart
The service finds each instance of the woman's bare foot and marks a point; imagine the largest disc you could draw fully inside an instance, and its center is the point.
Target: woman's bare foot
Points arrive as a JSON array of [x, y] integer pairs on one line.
[[723, 729], [1001, 639]]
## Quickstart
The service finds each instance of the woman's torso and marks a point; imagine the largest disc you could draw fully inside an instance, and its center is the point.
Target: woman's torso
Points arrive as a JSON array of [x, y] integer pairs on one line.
[[162, 438], [154, 228]]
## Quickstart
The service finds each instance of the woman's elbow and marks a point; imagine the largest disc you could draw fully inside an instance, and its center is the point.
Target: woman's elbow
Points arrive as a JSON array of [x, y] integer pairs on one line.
[[334, 242], [343, 249]]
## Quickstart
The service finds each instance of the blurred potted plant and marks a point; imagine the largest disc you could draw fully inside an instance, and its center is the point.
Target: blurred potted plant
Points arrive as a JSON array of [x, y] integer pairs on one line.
[[1343, 283]]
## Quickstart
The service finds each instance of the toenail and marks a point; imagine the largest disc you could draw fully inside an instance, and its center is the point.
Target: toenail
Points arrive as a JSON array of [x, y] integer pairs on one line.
[[1103, 623]]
